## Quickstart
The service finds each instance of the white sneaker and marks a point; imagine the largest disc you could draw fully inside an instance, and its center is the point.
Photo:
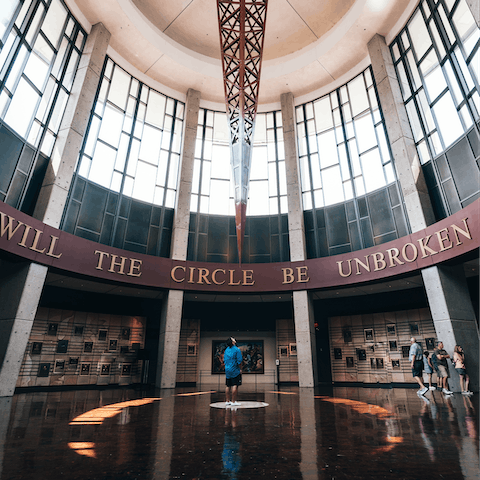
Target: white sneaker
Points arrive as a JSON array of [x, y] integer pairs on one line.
[[432, 387], [227, 404], [467, 392], [422, 391], [236, 404], [447, 392]]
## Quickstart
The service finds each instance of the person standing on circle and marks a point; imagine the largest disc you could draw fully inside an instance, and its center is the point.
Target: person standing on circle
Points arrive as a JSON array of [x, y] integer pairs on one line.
[[232, 359]]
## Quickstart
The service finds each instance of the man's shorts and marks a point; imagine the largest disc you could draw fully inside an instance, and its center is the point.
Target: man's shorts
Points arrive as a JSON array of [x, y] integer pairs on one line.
[[442, 371], [417, 370], [231, 382]]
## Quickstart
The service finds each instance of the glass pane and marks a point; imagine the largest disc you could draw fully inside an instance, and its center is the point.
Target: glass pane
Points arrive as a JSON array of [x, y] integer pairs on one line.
[[54, 21], [119, 88], [16, 70], [59, 58], [6, 14], [414, 120], [259, 168], [92, 136], [365, 133], [173, 171], [102, 165], [221, 161], [144, 186], [305, 174], [418, 33], [22, 108], [434, 82], [358, 95], [327, 145], [323, 114], [447, 119], [373, 170], [33, 28], [58, 111], [258, 198], [272, 180], [111, 125], [315, 167], [307, 201], [155, 109], [332, 185], [150, 149], [71, 70]]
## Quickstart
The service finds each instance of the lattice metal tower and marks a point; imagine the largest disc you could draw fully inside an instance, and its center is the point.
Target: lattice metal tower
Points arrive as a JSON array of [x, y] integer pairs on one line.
[[242, 31]]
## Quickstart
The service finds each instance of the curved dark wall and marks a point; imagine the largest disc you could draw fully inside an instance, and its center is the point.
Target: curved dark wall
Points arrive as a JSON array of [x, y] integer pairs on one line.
[[453, 178], [373, 219]]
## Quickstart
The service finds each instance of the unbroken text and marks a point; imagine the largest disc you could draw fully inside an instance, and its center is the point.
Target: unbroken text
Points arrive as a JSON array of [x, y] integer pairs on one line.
[[219, 276], [444, 239]]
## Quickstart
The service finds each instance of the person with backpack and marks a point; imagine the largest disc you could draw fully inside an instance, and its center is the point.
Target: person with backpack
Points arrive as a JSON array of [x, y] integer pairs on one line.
[[415, 356]]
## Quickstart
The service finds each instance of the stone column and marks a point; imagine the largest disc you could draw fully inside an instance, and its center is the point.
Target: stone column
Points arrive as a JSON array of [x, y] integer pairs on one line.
[[171, 317], [56, 184], [302, 303], [475, 9], [446, 288], [21, 285]]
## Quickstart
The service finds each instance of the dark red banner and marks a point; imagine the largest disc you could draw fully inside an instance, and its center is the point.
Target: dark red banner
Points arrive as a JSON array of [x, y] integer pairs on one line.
[[26, 237]]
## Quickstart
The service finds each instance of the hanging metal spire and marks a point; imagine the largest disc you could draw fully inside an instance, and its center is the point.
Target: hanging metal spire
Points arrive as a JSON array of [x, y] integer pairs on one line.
[[242, 29]]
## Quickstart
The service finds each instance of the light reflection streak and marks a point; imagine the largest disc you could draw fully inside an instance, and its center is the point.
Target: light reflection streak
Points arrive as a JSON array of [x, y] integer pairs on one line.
[[83, 448]]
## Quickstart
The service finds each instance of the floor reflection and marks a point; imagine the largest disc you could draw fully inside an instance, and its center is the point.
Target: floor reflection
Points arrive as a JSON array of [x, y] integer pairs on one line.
[[301, 434]]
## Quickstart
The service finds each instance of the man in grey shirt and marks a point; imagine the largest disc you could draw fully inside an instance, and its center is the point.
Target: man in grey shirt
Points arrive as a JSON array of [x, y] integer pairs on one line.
[[415, 356]]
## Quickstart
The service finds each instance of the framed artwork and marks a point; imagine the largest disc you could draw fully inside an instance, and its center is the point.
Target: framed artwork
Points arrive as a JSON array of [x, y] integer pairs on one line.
[[37, 348], [252, 353], [126, 370], [73, 361], [368, 332], [430, 343], [124, 349], [361, 354], [52, 329], [337, 353], [112, 344], [85, 369], [379, 362], [125, 333], [292, 349], [59, 366], [405, 351], [105, 369], [391, 330], [191, 350], [373, 364], [78, 331], [62, 346], [347, 335], [395, 363], [372, 348], [392, 345], [283, 351], [349, 362], [102, 335], [413, 328], [88, 347], [43, 370]]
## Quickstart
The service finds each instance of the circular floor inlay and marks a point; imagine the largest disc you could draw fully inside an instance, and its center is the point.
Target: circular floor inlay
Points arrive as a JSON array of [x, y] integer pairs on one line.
[[242, 405]]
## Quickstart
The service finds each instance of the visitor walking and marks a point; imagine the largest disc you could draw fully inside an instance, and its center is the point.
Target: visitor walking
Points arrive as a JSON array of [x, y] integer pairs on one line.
[[232, 359]]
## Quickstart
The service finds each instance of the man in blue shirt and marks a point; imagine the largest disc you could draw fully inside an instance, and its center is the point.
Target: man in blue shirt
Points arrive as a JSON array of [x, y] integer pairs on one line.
[[232, 359], [415, 356]]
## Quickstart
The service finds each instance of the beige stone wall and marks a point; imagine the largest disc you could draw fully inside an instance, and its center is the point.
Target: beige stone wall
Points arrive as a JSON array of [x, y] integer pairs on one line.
[[95, 348], [384, 361]]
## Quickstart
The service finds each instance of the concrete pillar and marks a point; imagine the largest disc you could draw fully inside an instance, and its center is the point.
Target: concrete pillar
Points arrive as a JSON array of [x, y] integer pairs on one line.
[[475, 9], [454, 318], [302, 303], [308, 435], [20, 290], [171, 317], [446, 288], [407, 163], [21, 285], [56, 184]]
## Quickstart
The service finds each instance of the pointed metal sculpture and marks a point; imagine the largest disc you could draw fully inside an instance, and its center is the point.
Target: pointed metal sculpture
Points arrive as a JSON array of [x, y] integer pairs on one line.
[[242, 29]]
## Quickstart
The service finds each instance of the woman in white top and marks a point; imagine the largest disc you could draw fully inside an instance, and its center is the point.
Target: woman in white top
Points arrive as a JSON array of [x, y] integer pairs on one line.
[[459, 362]]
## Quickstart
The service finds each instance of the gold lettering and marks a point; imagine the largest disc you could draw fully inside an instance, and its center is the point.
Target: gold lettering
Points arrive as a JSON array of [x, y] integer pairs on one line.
[[192, 269], [51, 248], [25, 235], [340, 269], [248, 275], [38, 234], [465, 233], [424, 247], [100, 259], [120, 264], [214, 276], [366, 265], [231, 274], [135, 266], [404, 252], [302, 274], [393, 254], [202, 275], [287, 275], [172, 274], [8, 227], [442, 240], [379, 261]]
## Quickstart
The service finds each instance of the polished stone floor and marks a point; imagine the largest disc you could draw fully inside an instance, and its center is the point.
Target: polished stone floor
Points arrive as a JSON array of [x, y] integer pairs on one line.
[[286, 433]]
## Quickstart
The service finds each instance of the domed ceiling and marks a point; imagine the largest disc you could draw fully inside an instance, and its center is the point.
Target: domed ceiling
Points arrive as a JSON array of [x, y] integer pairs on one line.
[[309, 44]]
